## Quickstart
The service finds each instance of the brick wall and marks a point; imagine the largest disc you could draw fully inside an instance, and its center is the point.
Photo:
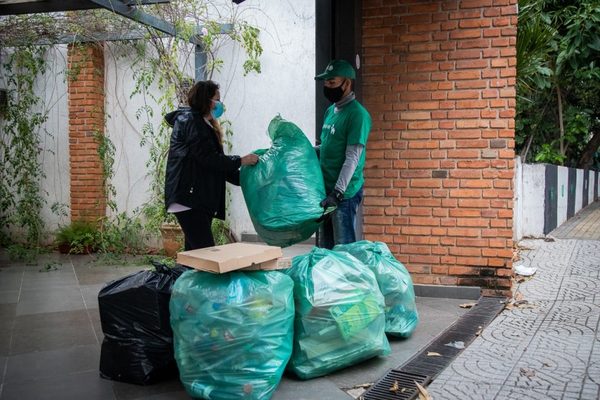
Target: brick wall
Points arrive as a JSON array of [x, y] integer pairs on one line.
[[439, 82], [86, 120]]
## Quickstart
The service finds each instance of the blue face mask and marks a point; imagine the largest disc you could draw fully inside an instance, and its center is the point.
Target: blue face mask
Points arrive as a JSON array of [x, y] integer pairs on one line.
[[218, 110]]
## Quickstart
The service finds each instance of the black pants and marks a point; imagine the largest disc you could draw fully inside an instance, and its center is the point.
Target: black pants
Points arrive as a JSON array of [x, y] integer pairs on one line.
[[196, 226]]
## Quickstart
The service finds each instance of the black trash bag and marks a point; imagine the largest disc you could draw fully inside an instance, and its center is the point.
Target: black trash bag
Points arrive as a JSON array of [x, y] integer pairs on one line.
[[138, 340]]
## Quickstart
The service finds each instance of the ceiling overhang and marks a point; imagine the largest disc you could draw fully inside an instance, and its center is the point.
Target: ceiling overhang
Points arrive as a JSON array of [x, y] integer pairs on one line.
[[13, 7]]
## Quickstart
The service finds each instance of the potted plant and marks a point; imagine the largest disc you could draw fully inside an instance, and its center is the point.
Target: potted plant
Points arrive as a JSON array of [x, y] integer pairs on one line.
[[172, 237], [80, 237]]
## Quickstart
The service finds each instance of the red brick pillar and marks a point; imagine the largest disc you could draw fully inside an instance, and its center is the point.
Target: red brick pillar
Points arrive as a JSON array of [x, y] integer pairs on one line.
[[439, 81], [86, 121]]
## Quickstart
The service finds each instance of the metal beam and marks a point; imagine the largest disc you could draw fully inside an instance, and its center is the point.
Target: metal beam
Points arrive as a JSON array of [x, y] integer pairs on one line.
[[200, 60], [8, 7], [133, 13], [126, 9], [93, 37], [102, 37]]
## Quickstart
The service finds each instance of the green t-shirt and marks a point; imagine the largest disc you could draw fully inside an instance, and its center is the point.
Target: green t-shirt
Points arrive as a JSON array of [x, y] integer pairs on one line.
[[349, 126]]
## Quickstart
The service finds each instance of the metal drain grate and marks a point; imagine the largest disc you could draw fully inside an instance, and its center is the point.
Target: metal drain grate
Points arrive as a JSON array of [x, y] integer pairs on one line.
[[396, 385], [423, 368], [465, 329]]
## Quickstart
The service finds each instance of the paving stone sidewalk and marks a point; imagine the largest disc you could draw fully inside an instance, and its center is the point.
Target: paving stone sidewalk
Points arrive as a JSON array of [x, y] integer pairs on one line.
[[547, 348]]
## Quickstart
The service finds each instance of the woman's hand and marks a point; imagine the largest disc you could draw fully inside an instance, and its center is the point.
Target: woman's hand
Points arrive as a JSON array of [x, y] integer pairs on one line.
[[250, 159]]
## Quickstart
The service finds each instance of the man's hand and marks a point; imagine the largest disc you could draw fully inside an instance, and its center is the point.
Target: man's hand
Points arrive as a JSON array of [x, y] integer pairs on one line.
[[333, 199]]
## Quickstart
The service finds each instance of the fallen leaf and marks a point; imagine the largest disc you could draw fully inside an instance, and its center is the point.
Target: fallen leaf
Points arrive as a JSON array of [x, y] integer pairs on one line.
[[395, 387], [468, 305], [524, 247], [364, 385], [521, 279], [423, 394], [527, 306], [433, 354], [527, 372], [518, 296]]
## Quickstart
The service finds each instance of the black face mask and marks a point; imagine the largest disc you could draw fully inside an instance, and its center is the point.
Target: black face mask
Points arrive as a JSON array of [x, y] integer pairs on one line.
[[333, 94]]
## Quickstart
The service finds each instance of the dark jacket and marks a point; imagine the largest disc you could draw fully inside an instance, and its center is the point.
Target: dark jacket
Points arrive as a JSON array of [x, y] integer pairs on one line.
[[197, 168]]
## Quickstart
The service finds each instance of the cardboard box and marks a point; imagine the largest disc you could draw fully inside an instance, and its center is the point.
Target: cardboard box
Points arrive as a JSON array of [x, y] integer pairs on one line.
[[233, 256]]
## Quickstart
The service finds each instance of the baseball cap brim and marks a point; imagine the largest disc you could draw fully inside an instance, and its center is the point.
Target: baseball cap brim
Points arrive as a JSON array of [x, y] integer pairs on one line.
[[335, 68]]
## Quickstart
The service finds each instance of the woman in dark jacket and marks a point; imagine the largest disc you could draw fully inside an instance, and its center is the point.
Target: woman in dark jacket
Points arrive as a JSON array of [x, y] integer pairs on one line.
[[197, 167]]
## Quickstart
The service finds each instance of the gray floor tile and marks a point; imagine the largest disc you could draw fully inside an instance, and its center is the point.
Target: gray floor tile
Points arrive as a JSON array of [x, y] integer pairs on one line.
[[171, 389], [319, 388], [85, 385], [8, 311], [23, 368], [180, 395], [9, 296], [38, 278], [10, 279], [3, 361], [54, 257], [90, 295], [5, 340], [7, 319], [49, 300], [94, 316], [40, 332], [367, 371]]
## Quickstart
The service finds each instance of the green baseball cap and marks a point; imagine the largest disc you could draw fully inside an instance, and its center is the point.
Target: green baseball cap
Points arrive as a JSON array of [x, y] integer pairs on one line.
[[337, 68]]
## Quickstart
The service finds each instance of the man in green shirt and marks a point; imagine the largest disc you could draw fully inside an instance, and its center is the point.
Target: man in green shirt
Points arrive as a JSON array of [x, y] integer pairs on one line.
[[344, 137]]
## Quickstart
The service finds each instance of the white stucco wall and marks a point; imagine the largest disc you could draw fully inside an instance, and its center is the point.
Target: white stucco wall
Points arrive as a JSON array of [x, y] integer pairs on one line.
[[530, 201], [54, 141], [518, 200], [285, 86], [55, 157], [533, 199], [124, 129], [287, 65], [562, 195], [592, 178], [579, 191]]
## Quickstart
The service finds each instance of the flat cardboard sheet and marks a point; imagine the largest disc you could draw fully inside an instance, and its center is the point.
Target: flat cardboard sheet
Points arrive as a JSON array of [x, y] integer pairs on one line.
[[233, 256]]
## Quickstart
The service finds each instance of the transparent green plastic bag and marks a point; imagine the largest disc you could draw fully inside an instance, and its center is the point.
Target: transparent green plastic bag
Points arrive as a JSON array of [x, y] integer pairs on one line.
[[232, 332], [340, 318], [283, 191], [395, 283]]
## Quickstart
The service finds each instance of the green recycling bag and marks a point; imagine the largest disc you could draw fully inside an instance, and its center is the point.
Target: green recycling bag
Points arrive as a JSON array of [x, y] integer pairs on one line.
[[340, 318], [232, 332], [283, 191], [395, 283]]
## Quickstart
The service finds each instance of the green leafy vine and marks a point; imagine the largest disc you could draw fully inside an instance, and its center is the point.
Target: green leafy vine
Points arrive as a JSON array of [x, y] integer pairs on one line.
[[21, 173]]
